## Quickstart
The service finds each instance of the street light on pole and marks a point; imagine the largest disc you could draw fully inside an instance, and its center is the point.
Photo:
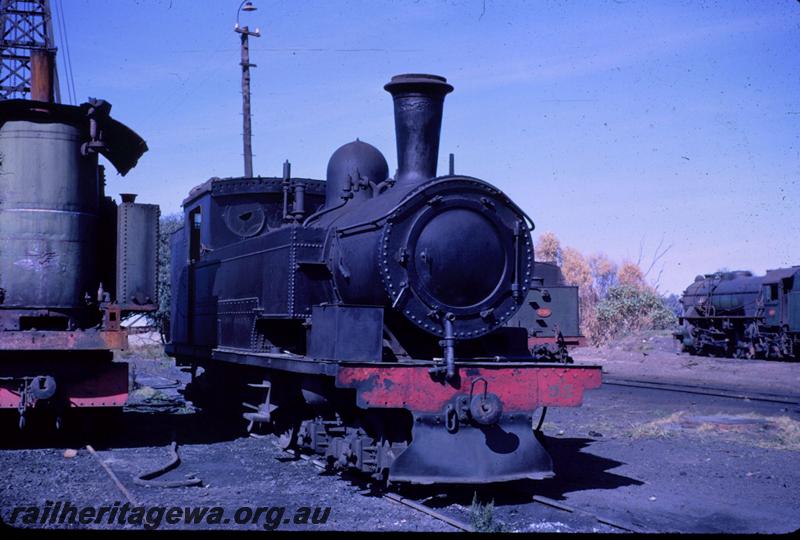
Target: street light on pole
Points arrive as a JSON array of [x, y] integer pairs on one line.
[[245, 32]]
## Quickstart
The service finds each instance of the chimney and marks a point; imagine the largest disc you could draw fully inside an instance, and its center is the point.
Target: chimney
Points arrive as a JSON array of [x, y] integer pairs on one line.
[[42, 74], [418, 103]]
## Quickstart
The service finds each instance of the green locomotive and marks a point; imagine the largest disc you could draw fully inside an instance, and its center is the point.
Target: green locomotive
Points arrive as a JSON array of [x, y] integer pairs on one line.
[[551, 314]]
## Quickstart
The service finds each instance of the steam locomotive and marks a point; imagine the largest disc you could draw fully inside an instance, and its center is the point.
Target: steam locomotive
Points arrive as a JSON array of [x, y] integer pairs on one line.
[[742, 315], [365, 317], [72, 261]]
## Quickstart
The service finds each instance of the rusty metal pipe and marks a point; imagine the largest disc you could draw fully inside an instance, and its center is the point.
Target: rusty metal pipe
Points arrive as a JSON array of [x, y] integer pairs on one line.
[[42, 75]]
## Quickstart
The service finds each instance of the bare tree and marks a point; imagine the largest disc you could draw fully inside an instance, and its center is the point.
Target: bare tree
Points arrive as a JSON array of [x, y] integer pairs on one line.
[[658, 255]]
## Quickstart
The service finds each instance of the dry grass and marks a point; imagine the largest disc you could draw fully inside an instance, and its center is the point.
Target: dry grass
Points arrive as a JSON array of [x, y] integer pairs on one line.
[[784, 436], [144, 346], [146, 351], [662, 427], [774, 432]]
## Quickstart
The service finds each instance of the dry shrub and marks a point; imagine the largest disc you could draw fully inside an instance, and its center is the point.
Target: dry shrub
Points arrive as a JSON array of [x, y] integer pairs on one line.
[[577, 271], [588, 323], [548, 248], [604, 272], [630, 274], [614, 300]]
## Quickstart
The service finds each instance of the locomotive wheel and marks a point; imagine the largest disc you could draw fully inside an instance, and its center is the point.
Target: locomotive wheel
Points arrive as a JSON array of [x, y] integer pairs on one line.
[[688, 349]]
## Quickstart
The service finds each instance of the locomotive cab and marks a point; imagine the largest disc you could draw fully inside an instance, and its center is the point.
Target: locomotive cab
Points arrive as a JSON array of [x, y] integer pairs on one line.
[[780, 298]]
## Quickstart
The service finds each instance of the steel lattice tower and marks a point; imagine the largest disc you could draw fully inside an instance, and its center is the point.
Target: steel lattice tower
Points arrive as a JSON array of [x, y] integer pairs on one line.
[[25, 25]]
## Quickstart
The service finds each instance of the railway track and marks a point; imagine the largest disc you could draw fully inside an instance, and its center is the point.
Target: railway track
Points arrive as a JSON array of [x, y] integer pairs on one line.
[[416, 503], [625, 527], [396, 497], [704, 390]]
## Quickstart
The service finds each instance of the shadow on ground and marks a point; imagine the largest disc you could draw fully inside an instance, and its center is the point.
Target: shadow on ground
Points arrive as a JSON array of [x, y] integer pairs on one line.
[[575, 468], [130, 428]]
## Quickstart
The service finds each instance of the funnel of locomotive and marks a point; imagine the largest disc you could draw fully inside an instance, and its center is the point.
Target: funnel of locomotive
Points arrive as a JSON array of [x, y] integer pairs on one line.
[[418, 104]]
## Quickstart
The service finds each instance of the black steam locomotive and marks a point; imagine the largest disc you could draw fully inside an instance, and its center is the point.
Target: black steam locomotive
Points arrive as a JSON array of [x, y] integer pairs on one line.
[[365, 317], [742, 315]]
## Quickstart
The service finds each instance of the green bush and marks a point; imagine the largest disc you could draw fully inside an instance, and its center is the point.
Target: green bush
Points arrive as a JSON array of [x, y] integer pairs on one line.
[[482, 516], [628, 308], [167, 226]]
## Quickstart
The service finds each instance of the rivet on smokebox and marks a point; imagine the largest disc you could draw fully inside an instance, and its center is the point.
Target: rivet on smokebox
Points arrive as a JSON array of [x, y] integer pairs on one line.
[[70, 453]]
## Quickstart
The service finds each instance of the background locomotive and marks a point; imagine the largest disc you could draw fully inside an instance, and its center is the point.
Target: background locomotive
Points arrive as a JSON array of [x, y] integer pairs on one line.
[[739, 314], [72, 261], [550, 314], [364, 317]]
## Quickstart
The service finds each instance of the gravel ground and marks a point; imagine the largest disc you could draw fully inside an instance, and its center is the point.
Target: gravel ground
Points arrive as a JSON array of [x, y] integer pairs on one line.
[[634, 456], [648, 459], [238, 473]]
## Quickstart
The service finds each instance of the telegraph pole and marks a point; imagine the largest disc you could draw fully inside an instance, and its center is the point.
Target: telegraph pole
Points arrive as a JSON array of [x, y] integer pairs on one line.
[[25, 27], [246, 65]]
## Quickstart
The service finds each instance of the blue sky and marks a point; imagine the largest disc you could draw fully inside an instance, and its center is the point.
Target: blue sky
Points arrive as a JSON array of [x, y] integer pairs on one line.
[[614, 124]]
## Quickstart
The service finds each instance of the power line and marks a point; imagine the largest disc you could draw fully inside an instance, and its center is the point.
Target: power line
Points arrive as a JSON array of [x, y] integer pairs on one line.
[[70, 96], [67, 58]]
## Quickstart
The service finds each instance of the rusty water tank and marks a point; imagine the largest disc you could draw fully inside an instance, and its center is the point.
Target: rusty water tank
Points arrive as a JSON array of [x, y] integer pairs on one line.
[[49, 215]]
